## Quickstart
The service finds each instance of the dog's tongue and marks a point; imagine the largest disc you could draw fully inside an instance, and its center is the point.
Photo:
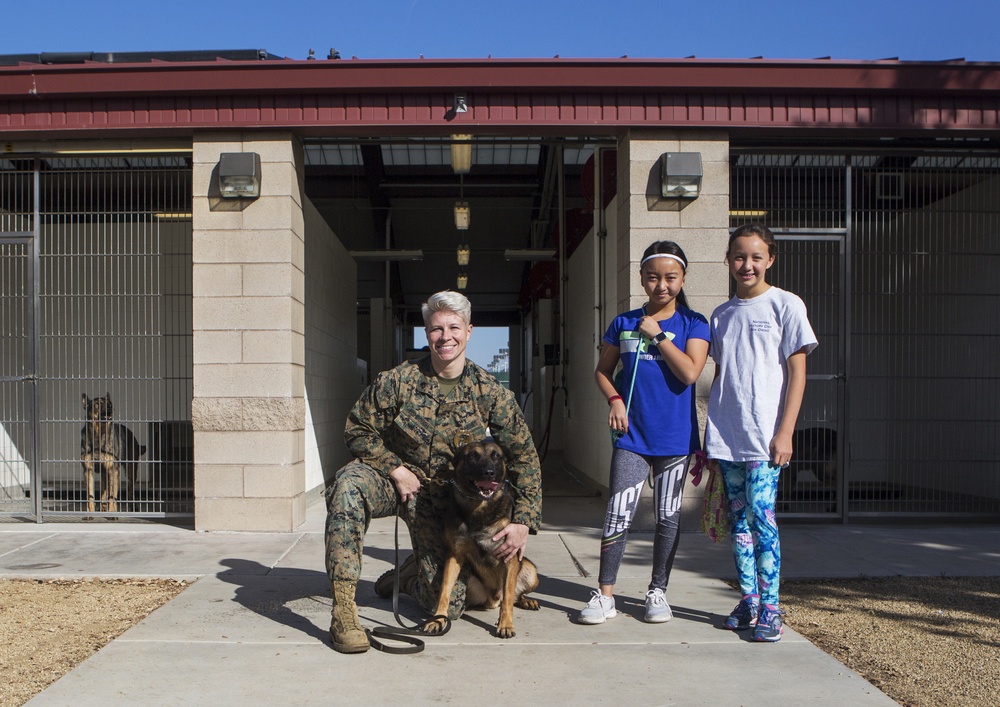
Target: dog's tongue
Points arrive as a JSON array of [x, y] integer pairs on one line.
[[487, 486]]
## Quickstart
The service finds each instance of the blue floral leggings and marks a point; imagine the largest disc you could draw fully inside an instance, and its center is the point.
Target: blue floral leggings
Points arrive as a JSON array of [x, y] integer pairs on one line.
[[752, 488]]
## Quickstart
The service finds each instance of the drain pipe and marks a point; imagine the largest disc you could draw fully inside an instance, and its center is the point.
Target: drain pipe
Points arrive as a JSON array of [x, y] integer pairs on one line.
[[563, 274], [387, 338], [601, 231]]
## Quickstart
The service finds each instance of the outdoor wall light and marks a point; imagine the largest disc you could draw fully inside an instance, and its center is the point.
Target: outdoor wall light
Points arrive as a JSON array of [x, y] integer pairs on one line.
[[680, 175], [463, 281], [239, 175], [462, 215], [461, 105], [463, 255], [461, 154]]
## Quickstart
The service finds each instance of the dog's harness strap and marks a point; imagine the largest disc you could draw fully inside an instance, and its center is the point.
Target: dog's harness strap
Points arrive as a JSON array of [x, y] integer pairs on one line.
[[405, 634]]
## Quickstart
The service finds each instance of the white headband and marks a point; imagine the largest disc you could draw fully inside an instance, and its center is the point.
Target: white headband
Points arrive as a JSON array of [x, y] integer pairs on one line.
[[664, 255]]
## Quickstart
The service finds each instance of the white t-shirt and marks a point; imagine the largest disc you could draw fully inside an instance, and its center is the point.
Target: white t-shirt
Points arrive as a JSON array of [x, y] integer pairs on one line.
[[751, 342]]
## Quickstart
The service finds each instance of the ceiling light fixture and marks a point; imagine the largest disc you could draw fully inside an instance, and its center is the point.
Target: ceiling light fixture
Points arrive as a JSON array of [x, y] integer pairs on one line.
[[463, 281], [462, 215], [463, 255], [461, 154], [124, 151]]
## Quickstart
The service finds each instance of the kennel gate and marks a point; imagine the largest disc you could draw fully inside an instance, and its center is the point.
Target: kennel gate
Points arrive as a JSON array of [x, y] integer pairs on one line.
[[95, 299], [812, 264], [17, 389]]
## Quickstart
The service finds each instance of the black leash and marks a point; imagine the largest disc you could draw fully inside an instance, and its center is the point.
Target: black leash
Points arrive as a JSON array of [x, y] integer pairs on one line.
[[404, 634]]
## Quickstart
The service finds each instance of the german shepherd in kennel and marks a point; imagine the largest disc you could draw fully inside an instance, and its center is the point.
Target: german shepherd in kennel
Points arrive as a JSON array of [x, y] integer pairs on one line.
[[482, 505], [111, 448]]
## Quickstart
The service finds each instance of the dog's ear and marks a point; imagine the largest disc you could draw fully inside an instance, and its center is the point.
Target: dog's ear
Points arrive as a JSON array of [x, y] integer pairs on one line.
[[86, 400]]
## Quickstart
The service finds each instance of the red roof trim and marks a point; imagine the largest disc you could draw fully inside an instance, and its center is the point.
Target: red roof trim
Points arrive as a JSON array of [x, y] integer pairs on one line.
[[518, 113], [291, 76], [349, 97]]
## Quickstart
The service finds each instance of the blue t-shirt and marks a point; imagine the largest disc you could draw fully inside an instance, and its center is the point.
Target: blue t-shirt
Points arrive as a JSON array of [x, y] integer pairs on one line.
[[662, 420]]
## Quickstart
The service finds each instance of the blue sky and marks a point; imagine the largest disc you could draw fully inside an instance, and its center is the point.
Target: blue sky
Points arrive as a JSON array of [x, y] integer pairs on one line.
[[377, 29], [485, 343]]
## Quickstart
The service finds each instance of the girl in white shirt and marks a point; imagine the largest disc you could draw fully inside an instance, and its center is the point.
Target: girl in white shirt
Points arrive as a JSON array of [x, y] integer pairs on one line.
[[760, 339]]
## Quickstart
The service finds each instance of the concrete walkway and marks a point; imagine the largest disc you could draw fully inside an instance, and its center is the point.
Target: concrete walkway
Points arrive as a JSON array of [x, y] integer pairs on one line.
[[252, 628]]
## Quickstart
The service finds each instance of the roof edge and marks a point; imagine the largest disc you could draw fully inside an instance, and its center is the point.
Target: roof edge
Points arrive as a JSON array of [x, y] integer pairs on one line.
[[288, 76]]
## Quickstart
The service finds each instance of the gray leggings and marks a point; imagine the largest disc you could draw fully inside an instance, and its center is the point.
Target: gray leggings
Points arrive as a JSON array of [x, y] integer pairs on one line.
[[628, 475]]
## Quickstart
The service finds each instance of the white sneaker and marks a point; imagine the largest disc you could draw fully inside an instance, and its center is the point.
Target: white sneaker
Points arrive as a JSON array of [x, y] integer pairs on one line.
[[598, 609], [657, 608]]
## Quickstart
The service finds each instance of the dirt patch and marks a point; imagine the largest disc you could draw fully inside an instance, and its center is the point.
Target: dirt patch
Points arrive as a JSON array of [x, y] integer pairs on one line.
[[922, 641], [48, 627]]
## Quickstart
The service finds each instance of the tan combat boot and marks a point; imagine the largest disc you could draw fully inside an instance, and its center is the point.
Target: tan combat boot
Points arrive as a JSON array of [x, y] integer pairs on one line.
[[346, 633]]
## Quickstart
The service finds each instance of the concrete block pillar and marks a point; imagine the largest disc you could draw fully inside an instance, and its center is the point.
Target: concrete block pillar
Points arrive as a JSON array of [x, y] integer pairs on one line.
[[248, 410], [700, 227]]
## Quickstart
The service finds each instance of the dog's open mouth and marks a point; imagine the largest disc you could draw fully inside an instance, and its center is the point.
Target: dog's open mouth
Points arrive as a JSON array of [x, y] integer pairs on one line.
[[486, 489]]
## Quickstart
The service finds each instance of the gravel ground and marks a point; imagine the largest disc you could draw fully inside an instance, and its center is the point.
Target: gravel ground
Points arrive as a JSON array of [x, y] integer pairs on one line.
[[922, 641], [48, 627]]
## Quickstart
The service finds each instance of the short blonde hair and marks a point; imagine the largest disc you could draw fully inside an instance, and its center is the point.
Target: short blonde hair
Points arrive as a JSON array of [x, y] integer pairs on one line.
[[447, 301]]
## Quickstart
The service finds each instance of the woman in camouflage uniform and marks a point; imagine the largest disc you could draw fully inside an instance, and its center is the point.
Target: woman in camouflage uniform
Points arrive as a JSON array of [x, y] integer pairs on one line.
[[404, 432]]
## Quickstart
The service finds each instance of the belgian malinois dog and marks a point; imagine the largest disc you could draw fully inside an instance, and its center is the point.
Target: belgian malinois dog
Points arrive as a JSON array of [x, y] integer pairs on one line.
[[482, 505], [112, 448]]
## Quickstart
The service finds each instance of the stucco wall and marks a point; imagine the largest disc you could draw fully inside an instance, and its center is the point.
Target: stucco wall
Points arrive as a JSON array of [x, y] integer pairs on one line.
[[588, 441], [333, 380]]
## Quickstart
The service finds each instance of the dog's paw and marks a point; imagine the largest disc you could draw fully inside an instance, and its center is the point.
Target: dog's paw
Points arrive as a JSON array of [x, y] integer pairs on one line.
[[435, 626], [505, 632], [527, 603]]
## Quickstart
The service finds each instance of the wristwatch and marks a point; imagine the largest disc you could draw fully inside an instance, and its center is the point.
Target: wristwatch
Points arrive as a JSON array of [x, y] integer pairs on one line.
[[659, 338]]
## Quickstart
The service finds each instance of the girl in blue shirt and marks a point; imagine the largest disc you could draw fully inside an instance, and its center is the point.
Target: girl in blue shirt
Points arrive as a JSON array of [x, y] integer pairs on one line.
[[665, 345]]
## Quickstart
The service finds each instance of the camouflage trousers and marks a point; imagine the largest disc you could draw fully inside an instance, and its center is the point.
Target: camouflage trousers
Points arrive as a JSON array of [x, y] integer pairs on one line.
[[359, 494]]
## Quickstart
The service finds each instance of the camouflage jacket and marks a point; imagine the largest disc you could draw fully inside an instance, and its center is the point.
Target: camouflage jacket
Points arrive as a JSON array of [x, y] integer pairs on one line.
[[402, 420]]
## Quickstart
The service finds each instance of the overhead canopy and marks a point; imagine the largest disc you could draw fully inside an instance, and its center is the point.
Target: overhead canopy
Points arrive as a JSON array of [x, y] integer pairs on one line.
[[547, 96]]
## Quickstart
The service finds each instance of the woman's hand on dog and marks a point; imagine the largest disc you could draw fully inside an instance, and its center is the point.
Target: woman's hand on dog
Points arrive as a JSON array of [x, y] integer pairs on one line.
[[407, 483], [514, 538]]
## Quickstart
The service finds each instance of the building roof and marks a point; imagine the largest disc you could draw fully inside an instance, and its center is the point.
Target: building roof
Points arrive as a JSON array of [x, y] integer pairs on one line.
[[176, 93]]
